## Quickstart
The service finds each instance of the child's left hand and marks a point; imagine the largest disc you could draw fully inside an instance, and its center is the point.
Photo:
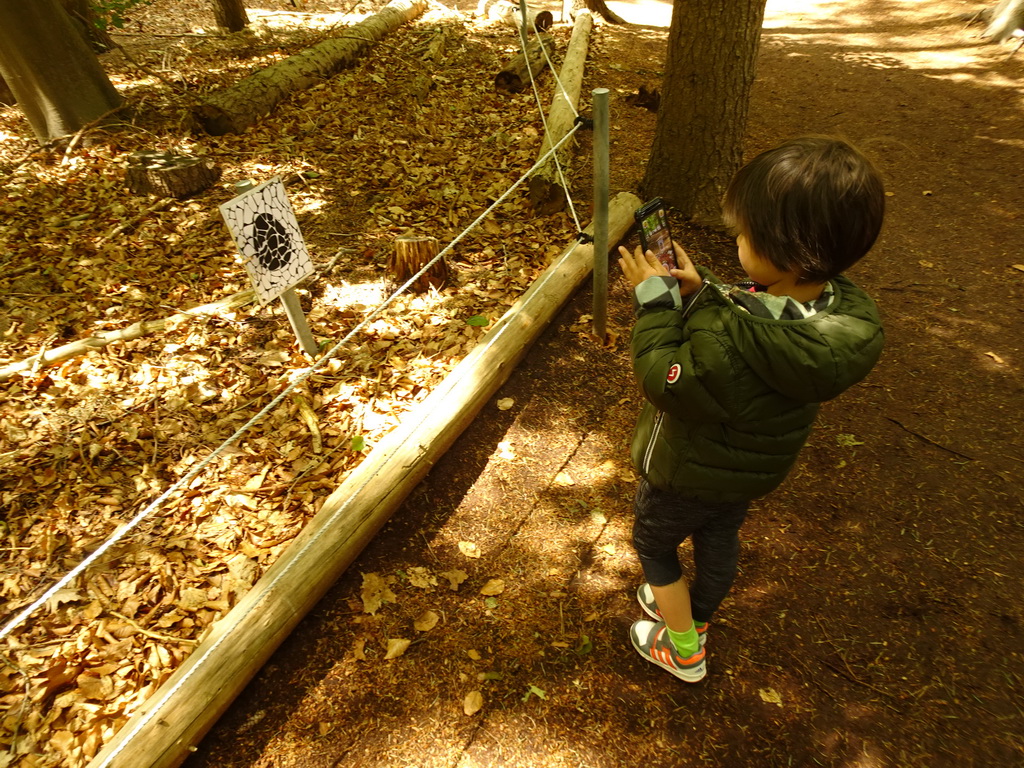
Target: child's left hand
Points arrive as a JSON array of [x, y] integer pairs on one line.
[[639, 266]]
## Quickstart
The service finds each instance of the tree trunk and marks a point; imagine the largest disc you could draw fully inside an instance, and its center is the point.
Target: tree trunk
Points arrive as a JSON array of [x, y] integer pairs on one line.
[[596, 6], [50, 69], [6, 97], [516, 74], [1005, 20], [234, 109], [230, 15], [547, 195], [704, 102], [412, 254]]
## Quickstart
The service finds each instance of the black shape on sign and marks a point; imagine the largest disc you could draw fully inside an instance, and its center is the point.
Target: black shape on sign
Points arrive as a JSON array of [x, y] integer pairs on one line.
[[270, 242]]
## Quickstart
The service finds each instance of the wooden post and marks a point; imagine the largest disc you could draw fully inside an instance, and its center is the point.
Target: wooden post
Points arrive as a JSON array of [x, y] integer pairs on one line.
[[546, 192], [162, 731], [411, 254]]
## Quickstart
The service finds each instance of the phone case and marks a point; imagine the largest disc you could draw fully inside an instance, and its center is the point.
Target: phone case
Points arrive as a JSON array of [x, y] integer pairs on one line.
[[655, 235]]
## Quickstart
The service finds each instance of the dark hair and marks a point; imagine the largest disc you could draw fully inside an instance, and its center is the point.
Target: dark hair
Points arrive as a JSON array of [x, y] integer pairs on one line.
[[813, 206]]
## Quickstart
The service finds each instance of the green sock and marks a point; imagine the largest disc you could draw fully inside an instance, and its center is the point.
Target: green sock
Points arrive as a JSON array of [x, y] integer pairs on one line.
[[686, 643]]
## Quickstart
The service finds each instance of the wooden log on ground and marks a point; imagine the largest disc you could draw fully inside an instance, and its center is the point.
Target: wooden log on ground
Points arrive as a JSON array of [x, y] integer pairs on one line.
[[509, 13], [547, 195], [168, 174], [515, 75], [234, 109], [410, 255], [132, 332], [162, 730]]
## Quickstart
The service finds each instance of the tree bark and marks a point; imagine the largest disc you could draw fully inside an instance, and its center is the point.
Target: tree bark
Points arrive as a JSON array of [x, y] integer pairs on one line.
[[50, 69], [161, 731], [709, 70], [547, 195], [234, 109], [230, 15], [1005, 20], [516, 74], [413, 253]]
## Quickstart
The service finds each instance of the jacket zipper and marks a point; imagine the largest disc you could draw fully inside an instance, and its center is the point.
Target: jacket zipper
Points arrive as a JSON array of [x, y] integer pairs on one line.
[[648, 454]]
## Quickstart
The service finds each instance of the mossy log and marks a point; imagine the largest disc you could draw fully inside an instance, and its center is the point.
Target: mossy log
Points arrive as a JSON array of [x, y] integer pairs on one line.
[[233, 109]]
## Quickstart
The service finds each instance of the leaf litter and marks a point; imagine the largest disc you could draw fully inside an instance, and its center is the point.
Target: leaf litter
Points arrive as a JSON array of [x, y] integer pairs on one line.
[[87, 443]]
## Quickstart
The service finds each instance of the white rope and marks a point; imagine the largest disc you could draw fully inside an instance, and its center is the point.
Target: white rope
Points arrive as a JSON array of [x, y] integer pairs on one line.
[[540, 106], [302, 376]]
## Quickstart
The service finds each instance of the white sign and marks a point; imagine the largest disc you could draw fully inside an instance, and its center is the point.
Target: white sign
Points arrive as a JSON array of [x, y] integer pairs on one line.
[[263, 226]]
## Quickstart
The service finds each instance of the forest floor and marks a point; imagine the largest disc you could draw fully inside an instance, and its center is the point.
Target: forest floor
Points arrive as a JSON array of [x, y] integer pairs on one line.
[[874, 622]]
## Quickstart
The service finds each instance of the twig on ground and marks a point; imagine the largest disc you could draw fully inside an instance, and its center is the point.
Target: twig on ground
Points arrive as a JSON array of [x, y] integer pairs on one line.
[[928, 439]]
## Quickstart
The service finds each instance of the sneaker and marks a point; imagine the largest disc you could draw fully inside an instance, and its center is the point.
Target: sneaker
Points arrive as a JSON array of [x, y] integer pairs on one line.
[[645, 596], [651, 640]]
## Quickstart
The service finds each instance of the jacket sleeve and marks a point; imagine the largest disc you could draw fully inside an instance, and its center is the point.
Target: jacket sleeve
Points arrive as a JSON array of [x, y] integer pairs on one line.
[[686, 372]]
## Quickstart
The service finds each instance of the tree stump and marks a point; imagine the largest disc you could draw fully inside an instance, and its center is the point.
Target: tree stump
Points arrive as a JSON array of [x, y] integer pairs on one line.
[[411, 254], [167, 174], [516, 74]]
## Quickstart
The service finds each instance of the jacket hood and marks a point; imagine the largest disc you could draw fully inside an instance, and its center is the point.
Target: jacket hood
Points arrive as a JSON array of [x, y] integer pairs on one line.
[[815, 359]]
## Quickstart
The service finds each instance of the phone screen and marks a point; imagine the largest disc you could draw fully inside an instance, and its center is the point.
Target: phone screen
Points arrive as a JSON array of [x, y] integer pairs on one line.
[[655, 236]]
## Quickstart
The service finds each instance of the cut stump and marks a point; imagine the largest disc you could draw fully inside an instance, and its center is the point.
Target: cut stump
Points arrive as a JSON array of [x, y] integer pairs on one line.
[[168, 174], [413, 253]]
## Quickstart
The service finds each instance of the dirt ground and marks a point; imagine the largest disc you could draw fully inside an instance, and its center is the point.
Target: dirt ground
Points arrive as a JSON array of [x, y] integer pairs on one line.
[[877, 619]]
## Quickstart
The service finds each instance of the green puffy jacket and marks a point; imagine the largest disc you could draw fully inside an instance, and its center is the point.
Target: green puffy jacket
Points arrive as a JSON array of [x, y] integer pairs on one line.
[[731, 397]]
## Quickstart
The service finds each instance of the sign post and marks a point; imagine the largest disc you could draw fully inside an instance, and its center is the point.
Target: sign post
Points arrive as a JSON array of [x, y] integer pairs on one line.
[[266, 232]]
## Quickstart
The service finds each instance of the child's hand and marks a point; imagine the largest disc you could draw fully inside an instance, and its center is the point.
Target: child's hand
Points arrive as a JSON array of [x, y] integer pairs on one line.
[[638, 266], [687, 275]]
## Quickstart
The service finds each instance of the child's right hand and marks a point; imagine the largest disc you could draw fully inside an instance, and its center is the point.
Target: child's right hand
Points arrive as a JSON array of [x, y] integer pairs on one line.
[[687, 275]]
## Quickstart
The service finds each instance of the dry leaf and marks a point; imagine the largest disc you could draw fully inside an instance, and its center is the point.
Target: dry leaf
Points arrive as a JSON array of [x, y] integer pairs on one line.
[[564, 478], [426, 621], [469, 549], [396, 647], [359, 649], [995, 357], [421, 577], [770, 696], [473, 702], [375, 593], [505, 450], [505, 403], [474, 654], [1019, 267], [493, 587], [455, 578]]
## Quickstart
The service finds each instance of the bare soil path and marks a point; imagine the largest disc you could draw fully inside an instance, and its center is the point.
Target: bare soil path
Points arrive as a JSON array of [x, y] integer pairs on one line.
[[877, 619]]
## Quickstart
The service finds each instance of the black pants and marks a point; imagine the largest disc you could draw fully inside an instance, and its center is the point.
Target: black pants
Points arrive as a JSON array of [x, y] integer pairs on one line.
[[664, 520]]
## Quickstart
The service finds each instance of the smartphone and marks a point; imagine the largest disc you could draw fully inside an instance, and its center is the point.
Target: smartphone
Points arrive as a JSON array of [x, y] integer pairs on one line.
[[652, 220]]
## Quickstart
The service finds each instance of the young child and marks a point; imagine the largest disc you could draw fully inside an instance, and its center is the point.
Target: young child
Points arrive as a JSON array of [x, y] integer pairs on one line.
[[733, 374]]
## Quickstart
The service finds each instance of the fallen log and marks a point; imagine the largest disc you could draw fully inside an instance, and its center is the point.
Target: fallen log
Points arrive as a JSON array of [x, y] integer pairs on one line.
[[547, 195], [132, 332], [510, 14], [516, 74], [165, 728], [232, 110]]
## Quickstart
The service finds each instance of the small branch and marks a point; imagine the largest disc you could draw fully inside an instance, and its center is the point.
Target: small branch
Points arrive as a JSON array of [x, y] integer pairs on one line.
[[159, 205], [928, 440], [155, 635], [132, 332]]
